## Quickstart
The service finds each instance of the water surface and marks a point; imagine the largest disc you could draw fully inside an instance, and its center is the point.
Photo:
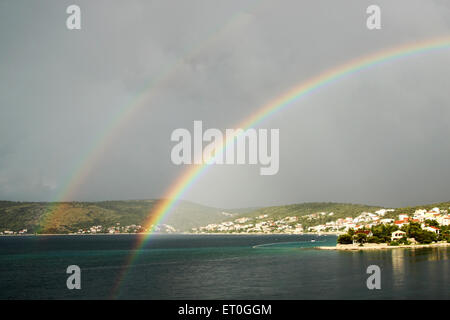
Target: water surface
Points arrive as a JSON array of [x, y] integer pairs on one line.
[[215, 267]]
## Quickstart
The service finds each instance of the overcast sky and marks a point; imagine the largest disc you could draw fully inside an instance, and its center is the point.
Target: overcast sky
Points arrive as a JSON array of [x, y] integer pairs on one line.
[[377, 137]]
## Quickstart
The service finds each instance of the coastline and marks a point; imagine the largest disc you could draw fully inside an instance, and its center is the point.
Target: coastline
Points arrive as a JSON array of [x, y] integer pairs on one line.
[[381, 246], [263, 233], [174, 233]]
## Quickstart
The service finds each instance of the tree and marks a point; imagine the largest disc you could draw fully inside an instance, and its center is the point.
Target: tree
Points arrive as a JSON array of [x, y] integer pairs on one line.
[[373, 239], [361, 238], [383, 232], [425, 236], [433, 223], [345, 239], [414, 230]]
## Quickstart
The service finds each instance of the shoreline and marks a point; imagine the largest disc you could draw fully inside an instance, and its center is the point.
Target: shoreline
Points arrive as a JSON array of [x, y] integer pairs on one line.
[[263, 233], [382, 246], [174, 233]]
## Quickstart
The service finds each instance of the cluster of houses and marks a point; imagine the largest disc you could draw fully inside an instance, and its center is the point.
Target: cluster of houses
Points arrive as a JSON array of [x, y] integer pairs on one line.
[[9, 232], [117, 228], [288, 225], [366, 220], [254, 225], [291, 225], [318, 215], [111, 230], [163, 228], [93, 229], [421, 216], [133, 228]]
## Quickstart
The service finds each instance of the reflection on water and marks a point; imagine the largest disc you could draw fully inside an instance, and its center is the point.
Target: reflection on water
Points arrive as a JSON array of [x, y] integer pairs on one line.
[[416, 268], [420, 273], [429, 254], [398, 266]]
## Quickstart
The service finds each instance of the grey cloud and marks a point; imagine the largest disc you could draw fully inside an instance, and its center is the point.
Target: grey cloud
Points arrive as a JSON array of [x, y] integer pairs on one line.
[[379, 136]]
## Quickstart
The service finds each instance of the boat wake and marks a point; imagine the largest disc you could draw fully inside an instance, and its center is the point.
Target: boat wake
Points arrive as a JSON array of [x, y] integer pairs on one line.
[[291, 244]]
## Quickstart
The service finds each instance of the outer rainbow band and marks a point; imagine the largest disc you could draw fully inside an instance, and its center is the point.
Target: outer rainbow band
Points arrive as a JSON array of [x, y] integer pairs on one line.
[[190, 176]]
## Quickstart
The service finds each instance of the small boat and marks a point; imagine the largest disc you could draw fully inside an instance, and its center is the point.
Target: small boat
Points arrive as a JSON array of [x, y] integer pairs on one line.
[[313, 240]]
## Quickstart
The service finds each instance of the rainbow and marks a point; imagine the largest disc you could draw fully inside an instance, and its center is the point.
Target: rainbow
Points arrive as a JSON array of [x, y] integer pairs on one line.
[[82, 167], [194, 172]]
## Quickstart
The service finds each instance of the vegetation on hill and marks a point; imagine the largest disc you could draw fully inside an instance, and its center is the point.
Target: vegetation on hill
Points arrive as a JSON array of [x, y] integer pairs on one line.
[[43, 217], [304, 211], [411, 210], [48, 218]]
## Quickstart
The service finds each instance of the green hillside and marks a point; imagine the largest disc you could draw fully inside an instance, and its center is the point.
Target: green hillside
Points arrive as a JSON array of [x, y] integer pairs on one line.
[[410, 210], [340, 210], [43, 217], [303, 210], [68, 217]]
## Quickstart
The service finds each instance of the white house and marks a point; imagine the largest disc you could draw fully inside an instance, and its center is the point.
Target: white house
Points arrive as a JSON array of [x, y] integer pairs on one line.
[[398, 235], [445, 221], [400, 223], [382, 212], [433, 229]]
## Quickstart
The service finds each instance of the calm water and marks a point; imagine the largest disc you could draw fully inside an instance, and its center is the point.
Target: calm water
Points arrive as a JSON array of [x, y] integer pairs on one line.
[[215, 267]]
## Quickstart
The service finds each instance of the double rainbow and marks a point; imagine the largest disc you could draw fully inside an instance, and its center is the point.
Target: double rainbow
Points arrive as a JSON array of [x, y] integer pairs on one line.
[[82, 167], [194, 172]]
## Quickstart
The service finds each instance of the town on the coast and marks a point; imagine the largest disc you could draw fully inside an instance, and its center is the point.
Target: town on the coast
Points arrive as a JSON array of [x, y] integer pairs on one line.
[[100, 229], [392, 227], [382, 226]]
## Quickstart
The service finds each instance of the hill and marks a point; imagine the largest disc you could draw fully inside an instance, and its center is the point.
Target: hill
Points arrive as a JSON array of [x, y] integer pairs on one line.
[[303, 211], [314, 216], [66, 217]]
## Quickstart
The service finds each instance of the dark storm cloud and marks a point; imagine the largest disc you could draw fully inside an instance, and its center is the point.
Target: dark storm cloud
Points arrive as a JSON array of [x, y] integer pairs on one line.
[[376, 137]]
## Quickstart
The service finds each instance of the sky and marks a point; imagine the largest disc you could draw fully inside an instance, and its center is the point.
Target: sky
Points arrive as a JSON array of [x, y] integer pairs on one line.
[[105, 99]]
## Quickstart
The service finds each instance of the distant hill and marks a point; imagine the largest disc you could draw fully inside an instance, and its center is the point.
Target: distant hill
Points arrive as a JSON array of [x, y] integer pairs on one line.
[[339, 209], [43, 217], [303, 210], [410, 210]]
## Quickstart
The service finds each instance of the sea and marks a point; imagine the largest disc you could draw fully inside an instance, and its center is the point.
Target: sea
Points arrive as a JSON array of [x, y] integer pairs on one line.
[[184, 266]]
